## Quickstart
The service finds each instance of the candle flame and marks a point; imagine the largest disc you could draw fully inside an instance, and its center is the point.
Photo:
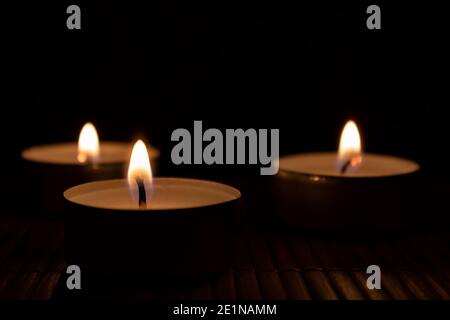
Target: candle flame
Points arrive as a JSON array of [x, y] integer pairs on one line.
[[139, 169], [349, 153], [88, 144]]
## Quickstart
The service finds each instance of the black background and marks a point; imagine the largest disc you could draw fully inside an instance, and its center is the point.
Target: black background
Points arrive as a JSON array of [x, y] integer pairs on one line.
[[143, 70]]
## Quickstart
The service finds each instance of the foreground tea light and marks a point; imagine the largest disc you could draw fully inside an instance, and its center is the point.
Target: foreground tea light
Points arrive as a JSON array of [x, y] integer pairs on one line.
[[350, 189], [154, 227], [55, 167]]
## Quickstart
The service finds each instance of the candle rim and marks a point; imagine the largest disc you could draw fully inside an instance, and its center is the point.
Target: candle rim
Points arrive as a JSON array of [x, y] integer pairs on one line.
[[348, 177], [236, 195], [27, 153]]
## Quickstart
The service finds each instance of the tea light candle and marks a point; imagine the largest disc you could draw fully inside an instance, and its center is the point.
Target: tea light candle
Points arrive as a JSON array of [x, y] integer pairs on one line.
[[167, 194], [323, 164], [154, 227], [55, 167], [347, 190]]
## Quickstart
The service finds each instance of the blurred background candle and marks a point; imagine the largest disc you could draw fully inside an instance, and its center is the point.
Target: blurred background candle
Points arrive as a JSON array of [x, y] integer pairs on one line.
[[346, 190], [50, 169], [152, 227]]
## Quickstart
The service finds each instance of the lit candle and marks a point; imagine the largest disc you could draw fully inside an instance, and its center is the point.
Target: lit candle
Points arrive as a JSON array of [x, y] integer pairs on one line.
[[55, 167], [345, 190], [162, 227]]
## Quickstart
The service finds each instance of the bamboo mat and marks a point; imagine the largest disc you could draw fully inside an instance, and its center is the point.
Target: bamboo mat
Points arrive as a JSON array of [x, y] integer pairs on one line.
[[267, 265]]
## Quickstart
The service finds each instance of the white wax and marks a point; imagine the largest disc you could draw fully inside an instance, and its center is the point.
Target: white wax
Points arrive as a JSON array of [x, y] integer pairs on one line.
[[67, 153], [168, 194], [324, 164]]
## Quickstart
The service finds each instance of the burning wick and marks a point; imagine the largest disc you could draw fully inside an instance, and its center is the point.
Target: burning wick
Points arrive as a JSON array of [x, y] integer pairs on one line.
[[142, 195], [351, 162], [349, 151], [88, 145], [140, 172]]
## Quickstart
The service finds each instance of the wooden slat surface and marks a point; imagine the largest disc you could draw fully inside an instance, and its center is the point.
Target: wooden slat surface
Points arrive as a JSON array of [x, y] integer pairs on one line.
[[267, 265]]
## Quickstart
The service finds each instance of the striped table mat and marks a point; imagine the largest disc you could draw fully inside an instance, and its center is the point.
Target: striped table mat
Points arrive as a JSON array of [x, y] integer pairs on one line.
[[267, 265]]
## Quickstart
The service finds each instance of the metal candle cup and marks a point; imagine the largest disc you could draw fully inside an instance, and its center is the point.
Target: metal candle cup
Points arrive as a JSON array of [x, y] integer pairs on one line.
[[184, 231], [307, 195]]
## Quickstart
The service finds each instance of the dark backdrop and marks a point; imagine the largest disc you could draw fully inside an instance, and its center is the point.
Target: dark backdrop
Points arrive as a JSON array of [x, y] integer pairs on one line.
[[144, 70]]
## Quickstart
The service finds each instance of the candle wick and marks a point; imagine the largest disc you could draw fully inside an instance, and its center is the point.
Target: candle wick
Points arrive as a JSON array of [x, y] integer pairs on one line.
[[142, 194], [345, 166]]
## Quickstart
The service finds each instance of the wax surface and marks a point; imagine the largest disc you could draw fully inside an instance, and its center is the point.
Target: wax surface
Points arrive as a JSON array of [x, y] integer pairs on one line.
[[66, 153], [168, 194], [324, 164]]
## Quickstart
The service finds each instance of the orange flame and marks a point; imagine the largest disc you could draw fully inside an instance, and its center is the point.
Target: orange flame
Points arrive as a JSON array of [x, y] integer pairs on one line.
[[349, 153], [88, 144], [139, 168]]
